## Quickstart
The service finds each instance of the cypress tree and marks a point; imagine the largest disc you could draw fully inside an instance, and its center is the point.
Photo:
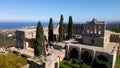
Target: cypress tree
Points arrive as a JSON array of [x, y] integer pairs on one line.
[[50, 32], [61, 34], [70, 28], [38, 48]]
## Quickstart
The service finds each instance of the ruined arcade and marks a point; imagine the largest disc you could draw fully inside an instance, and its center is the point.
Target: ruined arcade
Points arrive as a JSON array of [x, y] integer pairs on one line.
[[94, 42]]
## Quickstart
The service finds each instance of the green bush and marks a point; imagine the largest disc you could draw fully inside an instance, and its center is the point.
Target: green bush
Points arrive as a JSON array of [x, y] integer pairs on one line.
[[118, 60], [64, 66], [83, 65], [72, 63], [100, 64], [119, 56]]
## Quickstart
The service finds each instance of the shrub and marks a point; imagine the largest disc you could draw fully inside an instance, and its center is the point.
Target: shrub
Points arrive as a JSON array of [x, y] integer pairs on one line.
[[119, 56], [85, 66], [100, 64], [64, 66], [72, 63]]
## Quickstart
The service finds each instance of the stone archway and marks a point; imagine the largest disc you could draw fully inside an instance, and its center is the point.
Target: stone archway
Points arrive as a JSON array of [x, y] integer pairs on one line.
[[102, 58], [99, 62], [30, 43], [86, 57], [56, 65], [74, 53]]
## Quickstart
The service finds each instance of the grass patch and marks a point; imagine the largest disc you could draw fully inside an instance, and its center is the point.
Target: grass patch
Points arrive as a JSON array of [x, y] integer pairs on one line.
[[69, 64], [118, 62], [12, 60]]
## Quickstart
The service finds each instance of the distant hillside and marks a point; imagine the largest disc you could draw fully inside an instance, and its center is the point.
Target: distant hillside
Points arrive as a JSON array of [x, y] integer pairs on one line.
[[113, 26], [113, 22]]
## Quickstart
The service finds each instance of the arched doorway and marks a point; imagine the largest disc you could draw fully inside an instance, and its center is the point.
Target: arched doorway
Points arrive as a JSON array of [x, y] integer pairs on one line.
[[74, 53], [101, 62], [56, 65], [102, 58], [86, 57]]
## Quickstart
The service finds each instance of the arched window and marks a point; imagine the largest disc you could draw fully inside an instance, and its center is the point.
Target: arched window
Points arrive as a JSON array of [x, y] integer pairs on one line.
[[92, 41]]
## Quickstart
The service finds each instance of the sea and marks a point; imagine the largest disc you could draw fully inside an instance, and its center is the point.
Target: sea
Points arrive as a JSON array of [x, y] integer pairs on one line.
[[22, 24]]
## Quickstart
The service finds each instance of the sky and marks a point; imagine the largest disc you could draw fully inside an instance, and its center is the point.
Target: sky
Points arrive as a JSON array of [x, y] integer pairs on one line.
[[43, 10]]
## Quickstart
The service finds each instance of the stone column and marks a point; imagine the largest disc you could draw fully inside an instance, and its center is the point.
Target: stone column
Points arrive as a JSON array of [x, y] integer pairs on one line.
[[85, 30], [89, 29], [102, 30], [97, 29], [93, 57]]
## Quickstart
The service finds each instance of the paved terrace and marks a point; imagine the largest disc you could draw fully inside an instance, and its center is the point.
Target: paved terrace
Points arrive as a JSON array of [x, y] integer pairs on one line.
[[110, 48]]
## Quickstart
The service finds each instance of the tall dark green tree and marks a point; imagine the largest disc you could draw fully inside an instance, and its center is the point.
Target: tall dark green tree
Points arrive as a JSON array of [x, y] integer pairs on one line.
[[70, 28], [50, 32], [38, 48], [61, 33]]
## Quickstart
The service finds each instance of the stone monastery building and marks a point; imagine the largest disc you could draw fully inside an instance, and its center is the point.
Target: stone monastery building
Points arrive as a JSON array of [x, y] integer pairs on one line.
[[93, 41]]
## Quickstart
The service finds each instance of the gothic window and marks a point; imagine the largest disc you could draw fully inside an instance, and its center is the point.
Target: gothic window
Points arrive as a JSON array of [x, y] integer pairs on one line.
[[95, 31], [88, 30], [92, 41], [99, 32], [99, 27], [91, 32]]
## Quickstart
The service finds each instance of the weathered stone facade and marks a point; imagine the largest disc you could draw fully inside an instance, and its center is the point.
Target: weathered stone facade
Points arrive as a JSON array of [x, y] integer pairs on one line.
[[77, 28], [25, 38], [96, 41], [94, 33]]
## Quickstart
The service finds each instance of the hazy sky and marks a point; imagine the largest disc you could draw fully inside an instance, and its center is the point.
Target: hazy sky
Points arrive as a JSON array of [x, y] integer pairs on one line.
[[81, 10]]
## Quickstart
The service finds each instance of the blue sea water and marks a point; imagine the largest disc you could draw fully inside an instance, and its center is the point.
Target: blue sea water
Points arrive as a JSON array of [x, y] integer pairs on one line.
[[21, 24]]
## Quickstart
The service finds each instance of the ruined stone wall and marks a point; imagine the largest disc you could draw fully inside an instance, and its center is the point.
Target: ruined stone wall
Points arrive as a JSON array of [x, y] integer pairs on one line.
[[30, 34], [93, 41], [30, 43], [94, 33], [33, 64], [115, 38], [94, 29], [77, 28], [47, 64], [111, 57], [106, 40], [20, 39]]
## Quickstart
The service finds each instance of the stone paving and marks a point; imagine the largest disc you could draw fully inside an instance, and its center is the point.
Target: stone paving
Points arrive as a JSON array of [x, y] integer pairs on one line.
[[28, 51]]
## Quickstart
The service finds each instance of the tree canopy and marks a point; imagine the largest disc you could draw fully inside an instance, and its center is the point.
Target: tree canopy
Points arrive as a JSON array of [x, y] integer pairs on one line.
[[61, 33], [70, 28], [50, 32], [38, 48]]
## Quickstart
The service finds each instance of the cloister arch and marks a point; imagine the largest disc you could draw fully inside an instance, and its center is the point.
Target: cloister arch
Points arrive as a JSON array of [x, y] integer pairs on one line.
[[102, 58], [86, 57], [74, 53]]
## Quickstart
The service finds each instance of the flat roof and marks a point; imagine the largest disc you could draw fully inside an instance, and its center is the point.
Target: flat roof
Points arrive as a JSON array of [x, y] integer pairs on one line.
[[33, 29], [110, 48], [107, 32], [26, 30]]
